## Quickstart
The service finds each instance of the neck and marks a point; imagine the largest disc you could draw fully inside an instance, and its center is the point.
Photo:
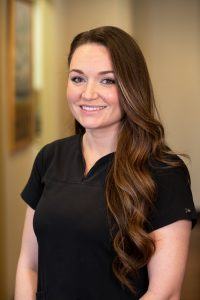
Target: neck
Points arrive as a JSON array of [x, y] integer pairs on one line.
[[100, 142]]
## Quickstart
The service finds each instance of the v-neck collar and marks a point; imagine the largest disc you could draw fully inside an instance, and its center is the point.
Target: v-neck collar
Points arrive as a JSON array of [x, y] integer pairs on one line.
[[99, 162]]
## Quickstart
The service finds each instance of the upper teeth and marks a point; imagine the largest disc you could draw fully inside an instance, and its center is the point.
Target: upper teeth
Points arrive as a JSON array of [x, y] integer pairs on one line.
[[92, 107]]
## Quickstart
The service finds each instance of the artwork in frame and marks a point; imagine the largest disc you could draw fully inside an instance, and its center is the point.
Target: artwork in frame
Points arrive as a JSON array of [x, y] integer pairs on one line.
[[20, 90]]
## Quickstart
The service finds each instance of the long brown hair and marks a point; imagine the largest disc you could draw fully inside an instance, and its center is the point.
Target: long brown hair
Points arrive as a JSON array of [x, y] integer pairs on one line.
[[130, 188]]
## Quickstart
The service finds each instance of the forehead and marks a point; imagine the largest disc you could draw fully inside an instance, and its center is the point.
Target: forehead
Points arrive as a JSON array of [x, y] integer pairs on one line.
[[91, 55]]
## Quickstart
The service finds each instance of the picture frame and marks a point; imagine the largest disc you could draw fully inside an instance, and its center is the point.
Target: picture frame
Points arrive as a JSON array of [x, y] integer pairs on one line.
[[21, 107]]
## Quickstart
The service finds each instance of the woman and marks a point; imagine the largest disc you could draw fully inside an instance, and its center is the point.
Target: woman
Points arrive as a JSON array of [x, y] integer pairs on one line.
[[111, 206]]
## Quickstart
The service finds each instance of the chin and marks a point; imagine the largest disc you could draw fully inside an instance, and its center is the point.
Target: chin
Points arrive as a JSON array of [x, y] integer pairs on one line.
[[90, 127], [88, 124]]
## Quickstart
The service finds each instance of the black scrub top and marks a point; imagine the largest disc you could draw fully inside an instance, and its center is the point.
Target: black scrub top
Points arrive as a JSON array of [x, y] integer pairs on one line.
[[70, 222]]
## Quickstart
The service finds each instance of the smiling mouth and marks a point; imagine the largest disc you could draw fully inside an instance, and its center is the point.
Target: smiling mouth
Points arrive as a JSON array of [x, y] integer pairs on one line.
[[92, 108]]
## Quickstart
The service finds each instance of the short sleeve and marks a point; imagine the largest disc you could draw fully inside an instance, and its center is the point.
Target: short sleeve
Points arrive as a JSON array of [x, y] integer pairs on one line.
[[34, 186], [174, 200]]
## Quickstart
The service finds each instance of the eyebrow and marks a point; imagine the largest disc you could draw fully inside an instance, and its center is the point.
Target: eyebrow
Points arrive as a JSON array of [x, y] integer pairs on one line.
[[100, 73]]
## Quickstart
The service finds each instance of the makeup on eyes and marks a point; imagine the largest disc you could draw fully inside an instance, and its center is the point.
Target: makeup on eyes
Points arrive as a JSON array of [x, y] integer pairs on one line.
[[108, 80], [111, 80]]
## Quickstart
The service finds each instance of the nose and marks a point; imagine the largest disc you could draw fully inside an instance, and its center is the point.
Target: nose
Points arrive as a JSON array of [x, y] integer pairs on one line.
[[89, 92]]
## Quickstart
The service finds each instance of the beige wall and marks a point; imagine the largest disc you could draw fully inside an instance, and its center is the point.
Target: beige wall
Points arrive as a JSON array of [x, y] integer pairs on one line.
[[169, 35]]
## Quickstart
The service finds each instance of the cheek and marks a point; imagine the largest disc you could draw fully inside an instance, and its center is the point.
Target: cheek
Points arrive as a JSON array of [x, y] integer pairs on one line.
[[71, 94], [113, 99], [115, 102]]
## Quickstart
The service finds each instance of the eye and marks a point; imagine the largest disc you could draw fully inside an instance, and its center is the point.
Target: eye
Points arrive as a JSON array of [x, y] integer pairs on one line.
[[108, 81], [77, 79]]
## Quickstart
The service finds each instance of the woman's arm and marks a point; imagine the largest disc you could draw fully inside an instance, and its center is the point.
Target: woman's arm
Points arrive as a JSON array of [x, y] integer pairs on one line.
[[26, 275], [166, 267]]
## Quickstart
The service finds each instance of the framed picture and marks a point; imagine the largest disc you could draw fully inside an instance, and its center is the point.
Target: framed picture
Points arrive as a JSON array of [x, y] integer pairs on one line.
[[20, 89]]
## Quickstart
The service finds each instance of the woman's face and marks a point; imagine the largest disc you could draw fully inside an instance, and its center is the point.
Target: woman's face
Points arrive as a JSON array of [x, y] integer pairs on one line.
[[92, 93]]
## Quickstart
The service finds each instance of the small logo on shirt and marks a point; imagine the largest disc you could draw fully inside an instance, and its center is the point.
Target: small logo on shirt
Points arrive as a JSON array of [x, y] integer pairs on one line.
[[187, 210]]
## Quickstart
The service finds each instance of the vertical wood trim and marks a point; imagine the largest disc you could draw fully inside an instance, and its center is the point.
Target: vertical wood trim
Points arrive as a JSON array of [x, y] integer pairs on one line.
[[2, 132]]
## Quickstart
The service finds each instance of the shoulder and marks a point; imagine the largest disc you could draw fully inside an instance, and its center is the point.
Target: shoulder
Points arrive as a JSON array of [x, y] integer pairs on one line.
[[60, 146], [51, 160], [163, 172], [171, 180], [174, 200], [58, 150], [61, 143]]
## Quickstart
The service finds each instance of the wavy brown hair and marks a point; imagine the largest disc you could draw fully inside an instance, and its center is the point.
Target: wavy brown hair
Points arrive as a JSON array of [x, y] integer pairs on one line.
[[130, 188]]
